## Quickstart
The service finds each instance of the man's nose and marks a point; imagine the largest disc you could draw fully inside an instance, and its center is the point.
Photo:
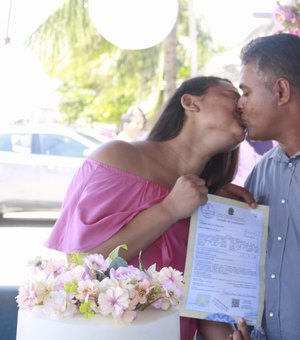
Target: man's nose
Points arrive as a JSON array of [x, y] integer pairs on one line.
[[240, 103]]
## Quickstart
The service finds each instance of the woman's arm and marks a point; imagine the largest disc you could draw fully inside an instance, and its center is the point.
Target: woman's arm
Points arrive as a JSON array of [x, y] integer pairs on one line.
[[188, 193]]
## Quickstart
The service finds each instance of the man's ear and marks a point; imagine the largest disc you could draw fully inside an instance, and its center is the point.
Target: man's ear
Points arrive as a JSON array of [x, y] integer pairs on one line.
[[188, 102], [283, 90]]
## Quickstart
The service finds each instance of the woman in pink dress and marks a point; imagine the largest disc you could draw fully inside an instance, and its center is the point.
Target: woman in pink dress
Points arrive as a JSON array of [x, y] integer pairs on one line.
[[143, 193]]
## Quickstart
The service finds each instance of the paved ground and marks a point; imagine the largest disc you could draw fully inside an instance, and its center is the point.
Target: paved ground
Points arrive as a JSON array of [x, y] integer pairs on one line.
[[21, 238]]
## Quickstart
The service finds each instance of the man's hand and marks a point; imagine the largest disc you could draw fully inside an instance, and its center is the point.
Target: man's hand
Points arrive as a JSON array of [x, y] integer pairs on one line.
[[236, 192], [242, 333]]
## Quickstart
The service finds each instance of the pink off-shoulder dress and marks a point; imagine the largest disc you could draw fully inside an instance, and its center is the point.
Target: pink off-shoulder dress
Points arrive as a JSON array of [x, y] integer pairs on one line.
[[100, 201]]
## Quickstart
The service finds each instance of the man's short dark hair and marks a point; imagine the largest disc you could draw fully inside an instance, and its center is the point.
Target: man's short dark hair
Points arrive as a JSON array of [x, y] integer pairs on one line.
[[276, 55]]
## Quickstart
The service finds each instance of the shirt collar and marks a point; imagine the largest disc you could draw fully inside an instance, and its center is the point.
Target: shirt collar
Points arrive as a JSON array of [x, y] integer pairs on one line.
[[279, 155]]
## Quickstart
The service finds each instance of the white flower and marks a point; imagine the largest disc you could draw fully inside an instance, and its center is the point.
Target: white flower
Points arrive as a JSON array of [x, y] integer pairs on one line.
[[59, 304], [97, 262], [43, 290]]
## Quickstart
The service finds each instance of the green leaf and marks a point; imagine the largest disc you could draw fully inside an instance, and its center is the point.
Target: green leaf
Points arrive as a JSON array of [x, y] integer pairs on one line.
[[141, 265], [71, 287], [115, 252], [76, 258], [117, 262], [86, 309]]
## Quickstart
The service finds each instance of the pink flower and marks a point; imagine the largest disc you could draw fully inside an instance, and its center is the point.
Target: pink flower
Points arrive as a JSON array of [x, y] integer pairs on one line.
[[286, 18], [78, 272], [162, 303], [83, 286], [141, 291], [97, 262], [53, 267], [173, 294], [127, 273], [26, 298], [169, 276], [87, 289], [114, 301]]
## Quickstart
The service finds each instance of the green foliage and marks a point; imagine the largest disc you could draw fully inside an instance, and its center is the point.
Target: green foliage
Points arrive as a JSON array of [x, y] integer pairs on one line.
[[86, 309], [117, 263], [72, 287], [115, 253], [141, 264], [76, 258], [98, 80]]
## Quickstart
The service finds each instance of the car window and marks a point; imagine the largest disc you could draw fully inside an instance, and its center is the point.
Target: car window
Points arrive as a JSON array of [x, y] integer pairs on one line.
[[91, 138], [5, 142], [18, 142], [61, 146]]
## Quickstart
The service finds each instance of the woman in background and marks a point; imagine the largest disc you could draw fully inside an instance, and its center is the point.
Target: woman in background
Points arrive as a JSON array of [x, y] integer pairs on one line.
[[132, 125]]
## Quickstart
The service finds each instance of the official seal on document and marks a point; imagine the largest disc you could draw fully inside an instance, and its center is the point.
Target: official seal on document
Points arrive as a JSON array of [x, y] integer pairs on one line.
[[208, 210]]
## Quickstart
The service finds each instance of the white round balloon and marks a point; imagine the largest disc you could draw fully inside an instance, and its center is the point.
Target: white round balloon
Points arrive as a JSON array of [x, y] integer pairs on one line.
[[134, 24]]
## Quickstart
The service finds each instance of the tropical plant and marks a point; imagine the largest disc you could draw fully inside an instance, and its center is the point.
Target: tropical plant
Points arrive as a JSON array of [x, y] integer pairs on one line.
[[100, 81]]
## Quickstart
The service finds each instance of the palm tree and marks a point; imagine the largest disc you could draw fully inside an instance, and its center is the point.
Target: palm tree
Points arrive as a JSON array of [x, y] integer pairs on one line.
[[100, 81]]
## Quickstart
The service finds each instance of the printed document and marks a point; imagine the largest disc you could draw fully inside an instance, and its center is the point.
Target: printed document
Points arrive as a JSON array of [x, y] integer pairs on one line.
[[224, 273]]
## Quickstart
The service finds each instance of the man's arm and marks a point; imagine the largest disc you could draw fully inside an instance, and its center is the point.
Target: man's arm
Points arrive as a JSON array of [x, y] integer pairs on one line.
[[237, 193]]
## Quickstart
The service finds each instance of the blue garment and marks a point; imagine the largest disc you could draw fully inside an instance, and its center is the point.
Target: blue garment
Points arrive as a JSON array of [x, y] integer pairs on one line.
[[275, 181]]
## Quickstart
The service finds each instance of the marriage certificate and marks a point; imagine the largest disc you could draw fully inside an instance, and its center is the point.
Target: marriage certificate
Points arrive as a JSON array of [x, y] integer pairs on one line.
[[224, 273]]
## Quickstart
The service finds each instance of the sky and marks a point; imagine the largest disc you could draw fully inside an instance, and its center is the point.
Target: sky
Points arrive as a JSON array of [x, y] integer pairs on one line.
[[24, 85], [231, 21], [22, 76]]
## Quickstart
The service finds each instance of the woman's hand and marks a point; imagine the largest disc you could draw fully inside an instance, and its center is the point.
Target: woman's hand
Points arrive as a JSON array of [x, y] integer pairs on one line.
[[188, 193], [237, 193], [242, 333]]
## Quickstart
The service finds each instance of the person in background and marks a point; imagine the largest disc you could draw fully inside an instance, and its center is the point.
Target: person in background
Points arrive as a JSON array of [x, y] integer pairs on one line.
[[270, 110], [143, 193], [250, 153], [132, 125]]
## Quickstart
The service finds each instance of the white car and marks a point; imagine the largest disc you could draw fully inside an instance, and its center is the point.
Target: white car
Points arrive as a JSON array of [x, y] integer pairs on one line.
[[37, 164]]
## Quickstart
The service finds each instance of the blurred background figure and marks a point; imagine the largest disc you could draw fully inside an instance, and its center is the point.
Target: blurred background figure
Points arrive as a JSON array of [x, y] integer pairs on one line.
[[132, 125], [250, 153]]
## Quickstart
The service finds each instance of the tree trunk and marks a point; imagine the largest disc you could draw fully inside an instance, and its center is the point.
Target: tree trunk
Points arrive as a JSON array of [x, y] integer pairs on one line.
[[170, 64]]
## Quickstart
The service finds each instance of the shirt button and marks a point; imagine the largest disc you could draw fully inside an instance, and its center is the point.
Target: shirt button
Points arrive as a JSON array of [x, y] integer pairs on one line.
[[283, 201], [290, 165], [279, 238], [271, 314], [273, 276]]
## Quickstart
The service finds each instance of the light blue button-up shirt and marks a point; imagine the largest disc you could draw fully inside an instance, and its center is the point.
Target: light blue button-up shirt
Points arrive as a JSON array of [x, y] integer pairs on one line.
[[275, 181]]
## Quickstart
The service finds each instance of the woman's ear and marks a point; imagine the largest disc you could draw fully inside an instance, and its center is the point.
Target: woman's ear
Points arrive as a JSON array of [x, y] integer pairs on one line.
[[283, 90], [188, 102]]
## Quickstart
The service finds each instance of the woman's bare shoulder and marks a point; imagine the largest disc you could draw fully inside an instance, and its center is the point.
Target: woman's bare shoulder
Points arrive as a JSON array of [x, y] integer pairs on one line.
[[118, 154]]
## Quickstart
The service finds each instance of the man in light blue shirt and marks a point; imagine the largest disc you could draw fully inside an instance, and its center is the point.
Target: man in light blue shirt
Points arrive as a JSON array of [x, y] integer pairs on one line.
[[270, 110]]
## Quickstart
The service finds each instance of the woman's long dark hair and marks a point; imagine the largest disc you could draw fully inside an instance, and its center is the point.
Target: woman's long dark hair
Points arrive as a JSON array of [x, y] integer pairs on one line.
[[221, 168]]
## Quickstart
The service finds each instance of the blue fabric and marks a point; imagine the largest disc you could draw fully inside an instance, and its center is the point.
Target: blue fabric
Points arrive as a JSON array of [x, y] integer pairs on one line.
[[275, 181], [8, 312]]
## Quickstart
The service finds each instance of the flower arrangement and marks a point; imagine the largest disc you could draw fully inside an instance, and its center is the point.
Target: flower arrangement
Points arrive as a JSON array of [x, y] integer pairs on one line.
[[91, 284], [287, 18]]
